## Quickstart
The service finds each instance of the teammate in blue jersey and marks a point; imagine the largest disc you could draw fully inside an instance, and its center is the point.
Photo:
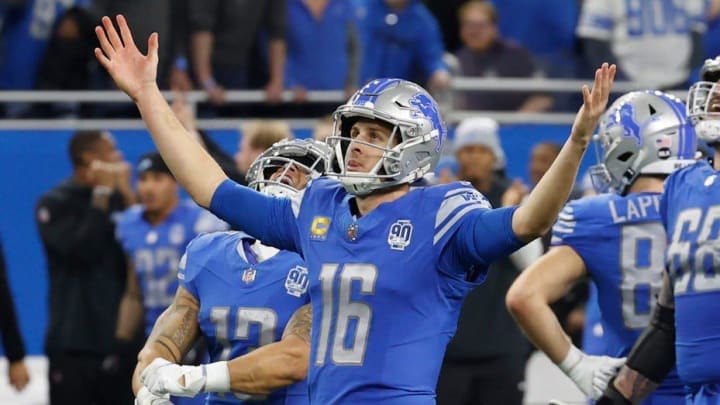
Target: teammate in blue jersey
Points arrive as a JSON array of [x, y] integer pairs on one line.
[[154, 235], [615, 238], [242, 293], [684, 327], [388, 265]]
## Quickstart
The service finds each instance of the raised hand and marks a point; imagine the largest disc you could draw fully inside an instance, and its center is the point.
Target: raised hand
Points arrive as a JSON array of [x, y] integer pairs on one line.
[[594, 103], [130, 69]]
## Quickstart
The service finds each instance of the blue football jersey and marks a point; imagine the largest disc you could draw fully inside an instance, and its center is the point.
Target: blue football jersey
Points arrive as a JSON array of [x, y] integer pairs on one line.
[[155, 250], [622, 242], [593, 339], [242, 305], [690, 209], [386, 293]]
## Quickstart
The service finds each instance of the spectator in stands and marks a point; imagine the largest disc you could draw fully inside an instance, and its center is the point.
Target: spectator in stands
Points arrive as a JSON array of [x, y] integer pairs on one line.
[[11, 340], [445, 11], [222, 36], [555, 50], [26, 30], [322, 37], [256, 138], [87, 271], [323, 128], [653, 44], [401, 39], [486, 54], [67, 63], [484, 365]]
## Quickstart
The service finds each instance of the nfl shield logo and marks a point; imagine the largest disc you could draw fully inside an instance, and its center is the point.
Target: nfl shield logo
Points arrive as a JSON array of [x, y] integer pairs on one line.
[[248, 276]]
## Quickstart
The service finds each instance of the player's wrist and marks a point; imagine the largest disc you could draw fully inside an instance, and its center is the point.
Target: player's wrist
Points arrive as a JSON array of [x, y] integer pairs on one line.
[[572, 359], [217, 377]]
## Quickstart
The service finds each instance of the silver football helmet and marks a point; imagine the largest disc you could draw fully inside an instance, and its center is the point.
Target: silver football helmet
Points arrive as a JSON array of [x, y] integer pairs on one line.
[[703, 105], [417, 126], [642, 133], [305, 155]]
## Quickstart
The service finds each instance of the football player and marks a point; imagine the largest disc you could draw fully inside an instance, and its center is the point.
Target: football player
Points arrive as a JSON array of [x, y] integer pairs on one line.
[[684, 326], [388, 265], [239, 294], [614, 238]]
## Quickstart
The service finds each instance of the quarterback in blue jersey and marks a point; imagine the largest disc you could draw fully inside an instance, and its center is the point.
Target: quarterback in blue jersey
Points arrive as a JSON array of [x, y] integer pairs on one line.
[[388, 265], [242, 293], [615, 238], [684, 327]]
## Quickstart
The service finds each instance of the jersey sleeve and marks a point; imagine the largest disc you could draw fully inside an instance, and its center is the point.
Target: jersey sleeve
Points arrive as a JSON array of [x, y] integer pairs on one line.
[[191, 263], [470, 234], [596, 20], [574, 229], [207, 222], [269, 219]]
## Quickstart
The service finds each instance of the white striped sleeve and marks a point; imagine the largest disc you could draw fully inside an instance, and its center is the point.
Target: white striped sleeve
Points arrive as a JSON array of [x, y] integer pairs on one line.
[[456, 204]]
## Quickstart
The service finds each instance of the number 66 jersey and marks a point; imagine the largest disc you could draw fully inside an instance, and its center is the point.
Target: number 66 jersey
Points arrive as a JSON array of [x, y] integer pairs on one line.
[[386, 288], [690, 209]]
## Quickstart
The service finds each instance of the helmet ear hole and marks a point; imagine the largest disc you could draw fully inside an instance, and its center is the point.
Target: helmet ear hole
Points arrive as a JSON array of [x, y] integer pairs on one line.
[[625, 156]]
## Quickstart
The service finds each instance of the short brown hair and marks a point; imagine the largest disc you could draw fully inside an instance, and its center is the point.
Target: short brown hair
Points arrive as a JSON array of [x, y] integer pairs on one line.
[[81, 142], [262, 134], [485, 6]]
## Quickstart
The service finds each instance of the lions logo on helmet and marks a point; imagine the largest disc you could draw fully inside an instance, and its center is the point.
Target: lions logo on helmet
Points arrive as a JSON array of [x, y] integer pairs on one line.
[[642, 133], [417, 125]]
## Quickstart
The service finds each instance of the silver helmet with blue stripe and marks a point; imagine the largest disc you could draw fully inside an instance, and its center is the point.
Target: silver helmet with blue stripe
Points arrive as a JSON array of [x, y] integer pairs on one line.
[[641, 133], [412, 149]]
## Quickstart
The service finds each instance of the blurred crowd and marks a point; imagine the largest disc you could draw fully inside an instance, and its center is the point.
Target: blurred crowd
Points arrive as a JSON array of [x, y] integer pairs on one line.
[[306, 45]]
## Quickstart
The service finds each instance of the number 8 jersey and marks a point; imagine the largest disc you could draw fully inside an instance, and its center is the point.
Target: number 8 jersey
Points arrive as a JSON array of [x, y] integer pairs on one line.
[[690, 210], [622, 242]]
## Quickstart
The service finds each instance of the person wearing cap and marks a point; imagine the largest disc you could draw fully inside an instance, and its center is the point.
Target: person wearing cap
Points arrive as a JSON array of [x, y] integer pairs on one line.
[[86, 270], [153, 235], [484, 365]]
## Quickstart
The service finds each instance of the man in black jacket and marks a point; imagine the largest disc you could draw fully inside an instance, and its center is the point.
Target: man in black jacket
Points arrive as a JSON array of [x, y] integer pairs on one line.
[[11, 339], [87, 271]]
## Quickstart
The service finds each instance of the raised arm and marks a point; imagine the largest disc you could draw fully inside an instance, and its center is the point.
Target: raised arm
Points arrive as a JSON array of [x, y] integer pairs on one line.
[[652, 357], [538, 212], [135, 74], [259, 372], [192, 166]]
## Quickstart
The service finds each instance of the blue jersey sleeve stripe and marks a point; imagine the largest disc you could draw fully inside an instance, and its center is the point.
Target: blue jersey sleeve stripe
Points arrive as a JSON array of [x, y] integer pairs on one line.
[[449, 224]]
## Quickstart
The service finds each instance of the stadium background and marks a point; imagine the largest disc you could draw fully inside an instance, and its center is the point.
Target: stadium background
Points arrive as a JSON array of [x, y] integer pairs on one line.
[[34, 158]]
